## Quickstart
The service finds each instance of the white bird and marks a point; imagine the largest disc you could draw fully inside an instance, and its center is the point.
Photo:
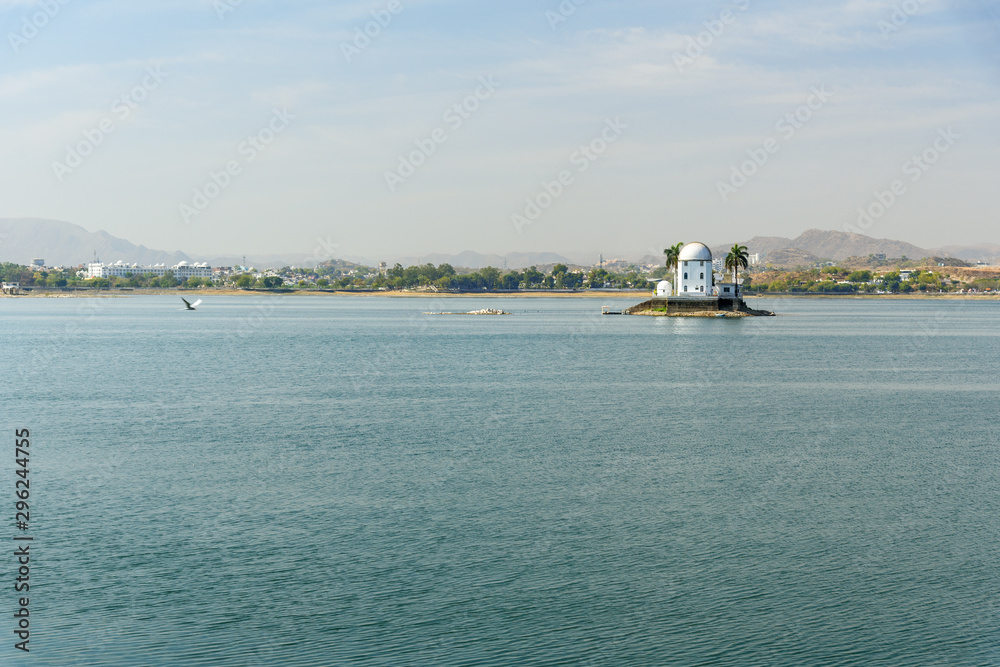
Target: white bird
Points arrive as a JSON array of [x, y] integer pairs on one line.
[[190, 306]]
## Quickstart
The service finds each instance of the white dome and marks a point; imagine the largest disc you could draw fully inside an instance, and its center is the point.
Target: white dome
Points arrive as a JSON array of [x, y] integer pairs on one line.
[[695, 251]]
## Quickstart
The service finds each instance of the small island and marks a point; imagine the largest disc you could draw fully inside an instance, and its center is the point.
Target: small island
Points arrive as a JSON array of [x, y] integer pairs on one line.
[[697, 294], [484, 311]]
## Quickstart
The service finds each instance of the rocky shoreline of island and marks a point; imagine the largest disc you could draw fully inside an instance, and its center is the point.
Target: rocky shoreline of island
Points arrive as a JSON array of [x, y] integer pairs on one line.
[[676, 308]]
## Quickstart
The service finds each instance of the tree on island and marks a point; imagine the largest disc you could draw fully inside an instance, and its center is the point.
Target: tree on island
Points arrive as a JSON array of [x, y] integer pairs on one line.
[[737, 259], [673, 254]]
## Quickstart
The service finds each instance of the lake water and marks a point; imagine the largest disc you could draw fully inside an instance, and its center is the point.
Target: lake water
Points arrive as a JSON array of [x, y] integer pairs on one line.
[[345, 481]]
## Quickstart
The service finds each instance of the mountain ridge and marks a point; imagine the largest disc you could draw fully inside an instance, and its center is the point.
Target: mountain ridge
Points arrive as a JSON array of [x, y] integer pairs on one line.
[[470, 259], [62, 243], [827, 245]]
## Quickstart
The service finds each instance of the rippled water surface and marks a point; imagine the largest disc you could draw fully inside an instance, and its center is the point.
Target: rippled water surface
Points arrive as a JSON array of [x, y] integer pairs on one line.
[[346, 481]]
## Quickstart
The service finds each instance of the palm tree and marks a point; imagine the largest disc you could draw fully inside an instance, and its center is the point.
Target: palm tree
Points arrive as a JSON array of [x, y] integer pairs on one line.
[[737, 259], [673, 254]]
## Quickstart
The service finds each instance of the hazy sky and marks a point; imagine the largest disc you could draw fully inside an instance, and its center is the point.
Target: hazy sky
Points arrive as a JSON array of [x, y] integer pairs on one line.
[[701, 120]]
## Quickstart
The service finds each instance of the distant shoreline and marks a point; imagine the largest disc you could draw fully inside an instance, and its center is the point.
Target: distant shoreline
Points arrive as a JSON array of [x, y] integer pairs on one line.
[[405, 294], [113, 293]]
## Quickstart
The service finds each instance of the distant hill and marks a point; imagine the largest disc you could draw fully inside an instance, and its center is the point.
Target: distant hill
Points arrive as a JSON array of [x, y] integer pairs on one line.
[[840, 245], [814, 245], [791, 257], [65, 244], [983, 252], [475, 260], [278, 261]]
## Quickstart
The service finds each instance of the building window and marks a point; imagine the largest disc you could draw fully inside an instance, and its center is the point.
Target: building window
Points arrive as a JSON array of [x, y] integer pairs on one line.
[[685, 277], [703, 276]]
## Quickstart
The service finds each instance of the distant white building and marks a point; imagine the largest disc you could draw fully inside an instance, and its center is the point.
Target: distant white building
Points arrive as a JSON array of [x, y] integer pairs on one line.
[[181, 271]]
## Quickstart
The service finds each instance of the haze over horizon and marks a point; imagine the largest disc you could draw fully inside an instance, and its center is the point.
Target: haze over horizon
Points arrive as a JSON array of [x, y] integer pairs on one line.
[[117, 113]]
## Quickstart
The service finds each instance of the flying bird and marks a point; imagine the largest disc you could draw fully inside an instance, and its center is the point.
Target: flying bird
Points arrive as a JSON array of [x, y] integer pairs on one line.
[[190, 306]]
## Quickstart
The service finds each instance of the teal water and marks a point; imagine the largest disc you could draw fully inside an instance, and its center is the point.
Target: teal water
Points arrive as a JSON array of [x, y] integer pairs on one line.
[[345, 481]]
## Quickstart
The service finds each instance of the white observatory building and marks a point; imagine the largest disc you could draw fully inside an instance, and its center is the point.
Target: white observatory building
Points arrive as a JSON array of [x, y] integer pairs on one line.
[[695, 290], [694, 271]]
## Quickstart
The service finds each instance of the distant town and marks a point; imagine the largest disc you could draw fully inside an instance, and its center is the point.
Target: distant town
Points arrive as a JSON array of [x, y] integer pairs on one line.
[[872, 274]]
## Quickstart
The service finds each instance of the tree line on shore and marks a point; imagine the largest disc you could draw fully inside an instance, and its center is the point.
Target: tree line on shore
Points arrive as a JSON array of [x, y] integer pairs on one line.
[[489, 278], [442, 276], [28, 277], [837, 280], [825, 280]]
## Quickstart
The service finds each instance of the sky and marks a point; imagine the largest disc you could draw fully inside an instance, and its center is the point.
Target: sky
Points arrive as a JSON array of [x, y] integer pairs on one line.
[[401, 127]]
